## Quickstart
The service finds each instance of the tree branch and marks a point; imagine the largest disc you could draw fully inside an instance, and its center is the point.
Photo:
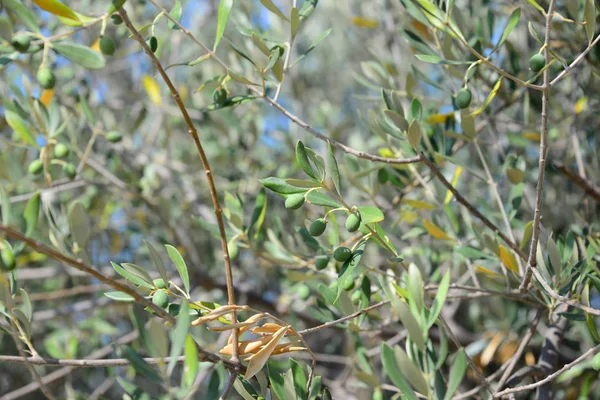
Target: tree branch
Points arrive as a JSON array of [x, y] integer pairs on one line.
[[587, 186]]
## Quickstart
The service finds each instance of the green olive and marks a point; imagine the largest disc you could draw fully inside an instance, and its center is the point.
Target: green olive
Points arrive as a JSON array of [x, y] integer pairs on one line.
[[317, 227], [61, 150], [342, 254], [219, 96], [382, 176], [348, 286], [353, 222], [152, 43], [107, 46], [114, 137], [537, 62], [294, 201], [8, 259], [69, 171], [46, 78], [36, 167], [303, 292], [160, 298], [159, 283], [21, 42], [321, 262], [463, 98]]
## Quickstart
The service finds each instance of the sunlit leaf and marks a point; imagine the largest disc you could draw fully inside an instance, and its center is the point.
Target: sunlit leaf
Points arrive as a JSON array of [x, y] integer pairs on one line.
[[435, 231], [489, 98], [508, 259], [152, 89], [225, 7], [455, 177], [82, 55], [364, 22], [180, 265], [18, 125], [57, 8]]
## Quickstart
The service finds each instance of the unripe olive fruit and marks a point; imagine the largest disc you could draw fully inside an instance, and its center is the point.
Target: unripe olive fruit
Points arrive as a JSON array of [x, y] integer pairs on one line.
[[382, 176], [159, 283], [116, 19], [21, 42], [349, 286], [463, 98], [537, 62], [317, 227], [294, 201], [46, 78], [321, 262], [8, 259], [234, 251], [353, 222], [36, 167], [356, 296], [61, 150], [219, 96], [107, 46], [69, 171], [303, 292], [342, 254], [153, 43], [114, 137], [160, 298]]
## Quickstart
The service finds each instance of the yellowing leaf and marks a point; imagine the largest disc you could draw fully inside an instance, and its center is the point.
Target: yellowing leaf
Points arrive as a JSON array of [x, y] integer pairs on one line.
[[258, 360], [96, 46], [515, 176], [581, 104], [454, 180], [482, 270], [439, 118], [435, 230], [527, 233], [57, 8], [409, 216], [246, 346], [153, 90], [489, 98], [386, 152], [364, 22], [508, 259], [47, 96], [421, 205], [533, 136]]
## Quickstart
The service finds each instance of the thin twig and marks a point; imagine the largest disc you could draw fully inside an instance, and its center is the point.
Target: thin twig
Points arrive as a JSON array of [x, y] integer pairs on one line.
[[83, 363], [537, 216], [344, 319], [207, 169], [550, 377], [228, 386], [562, 299], [587, 186], [575, 62], [434, 169]]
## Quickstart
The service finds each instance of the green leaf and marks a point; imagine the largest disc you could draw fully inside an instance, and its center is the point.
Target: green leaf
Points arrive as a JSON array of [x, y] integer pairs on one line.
[[370, 214], [21, 13], [513, 20], [18, 125], [414, 134], [415, 285], [232, 101], [82, 55], [191, 364], [527, 233], [157, 261], [140, 365], [390, 366], [295, 22], [131, 276], [180, 265], [489, 98], [179, 334], [457, 371], [273, 8], [259, 213], [119, 296], [334, 170], [175, 14], [411, 372], [346, 274], [139, 272], [536, 6], [277, 381], [299, 379], [434, 59], [303, 161], [320, 199], [79, 224], [31, 213], [589, 14], [225, 7], [411, 324], [317, 41], [281, 186], [396, 119], [26, 307], [439, 300]]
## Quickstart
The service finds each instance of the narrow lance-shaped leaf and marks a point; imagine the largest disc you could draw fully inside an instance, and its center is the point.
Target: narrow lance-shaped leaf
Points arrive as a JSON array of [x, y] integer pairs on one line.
[[513, 20], [299, 379], [140, 365], [411, 372], [457, 371], [180, 265], [439, 300], [411, 324], [191, 366], [225, 7], [269, 5], [157, 261], [294, 22], [82, 55], [390, 366], [449, 194], [57, 8], [334, 170], [175, 14], [179, 334], [32, 211], [21, 13], [489, 98], [435, 231], [20, 128], [590, 19], [258, 360], [303, 161]]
